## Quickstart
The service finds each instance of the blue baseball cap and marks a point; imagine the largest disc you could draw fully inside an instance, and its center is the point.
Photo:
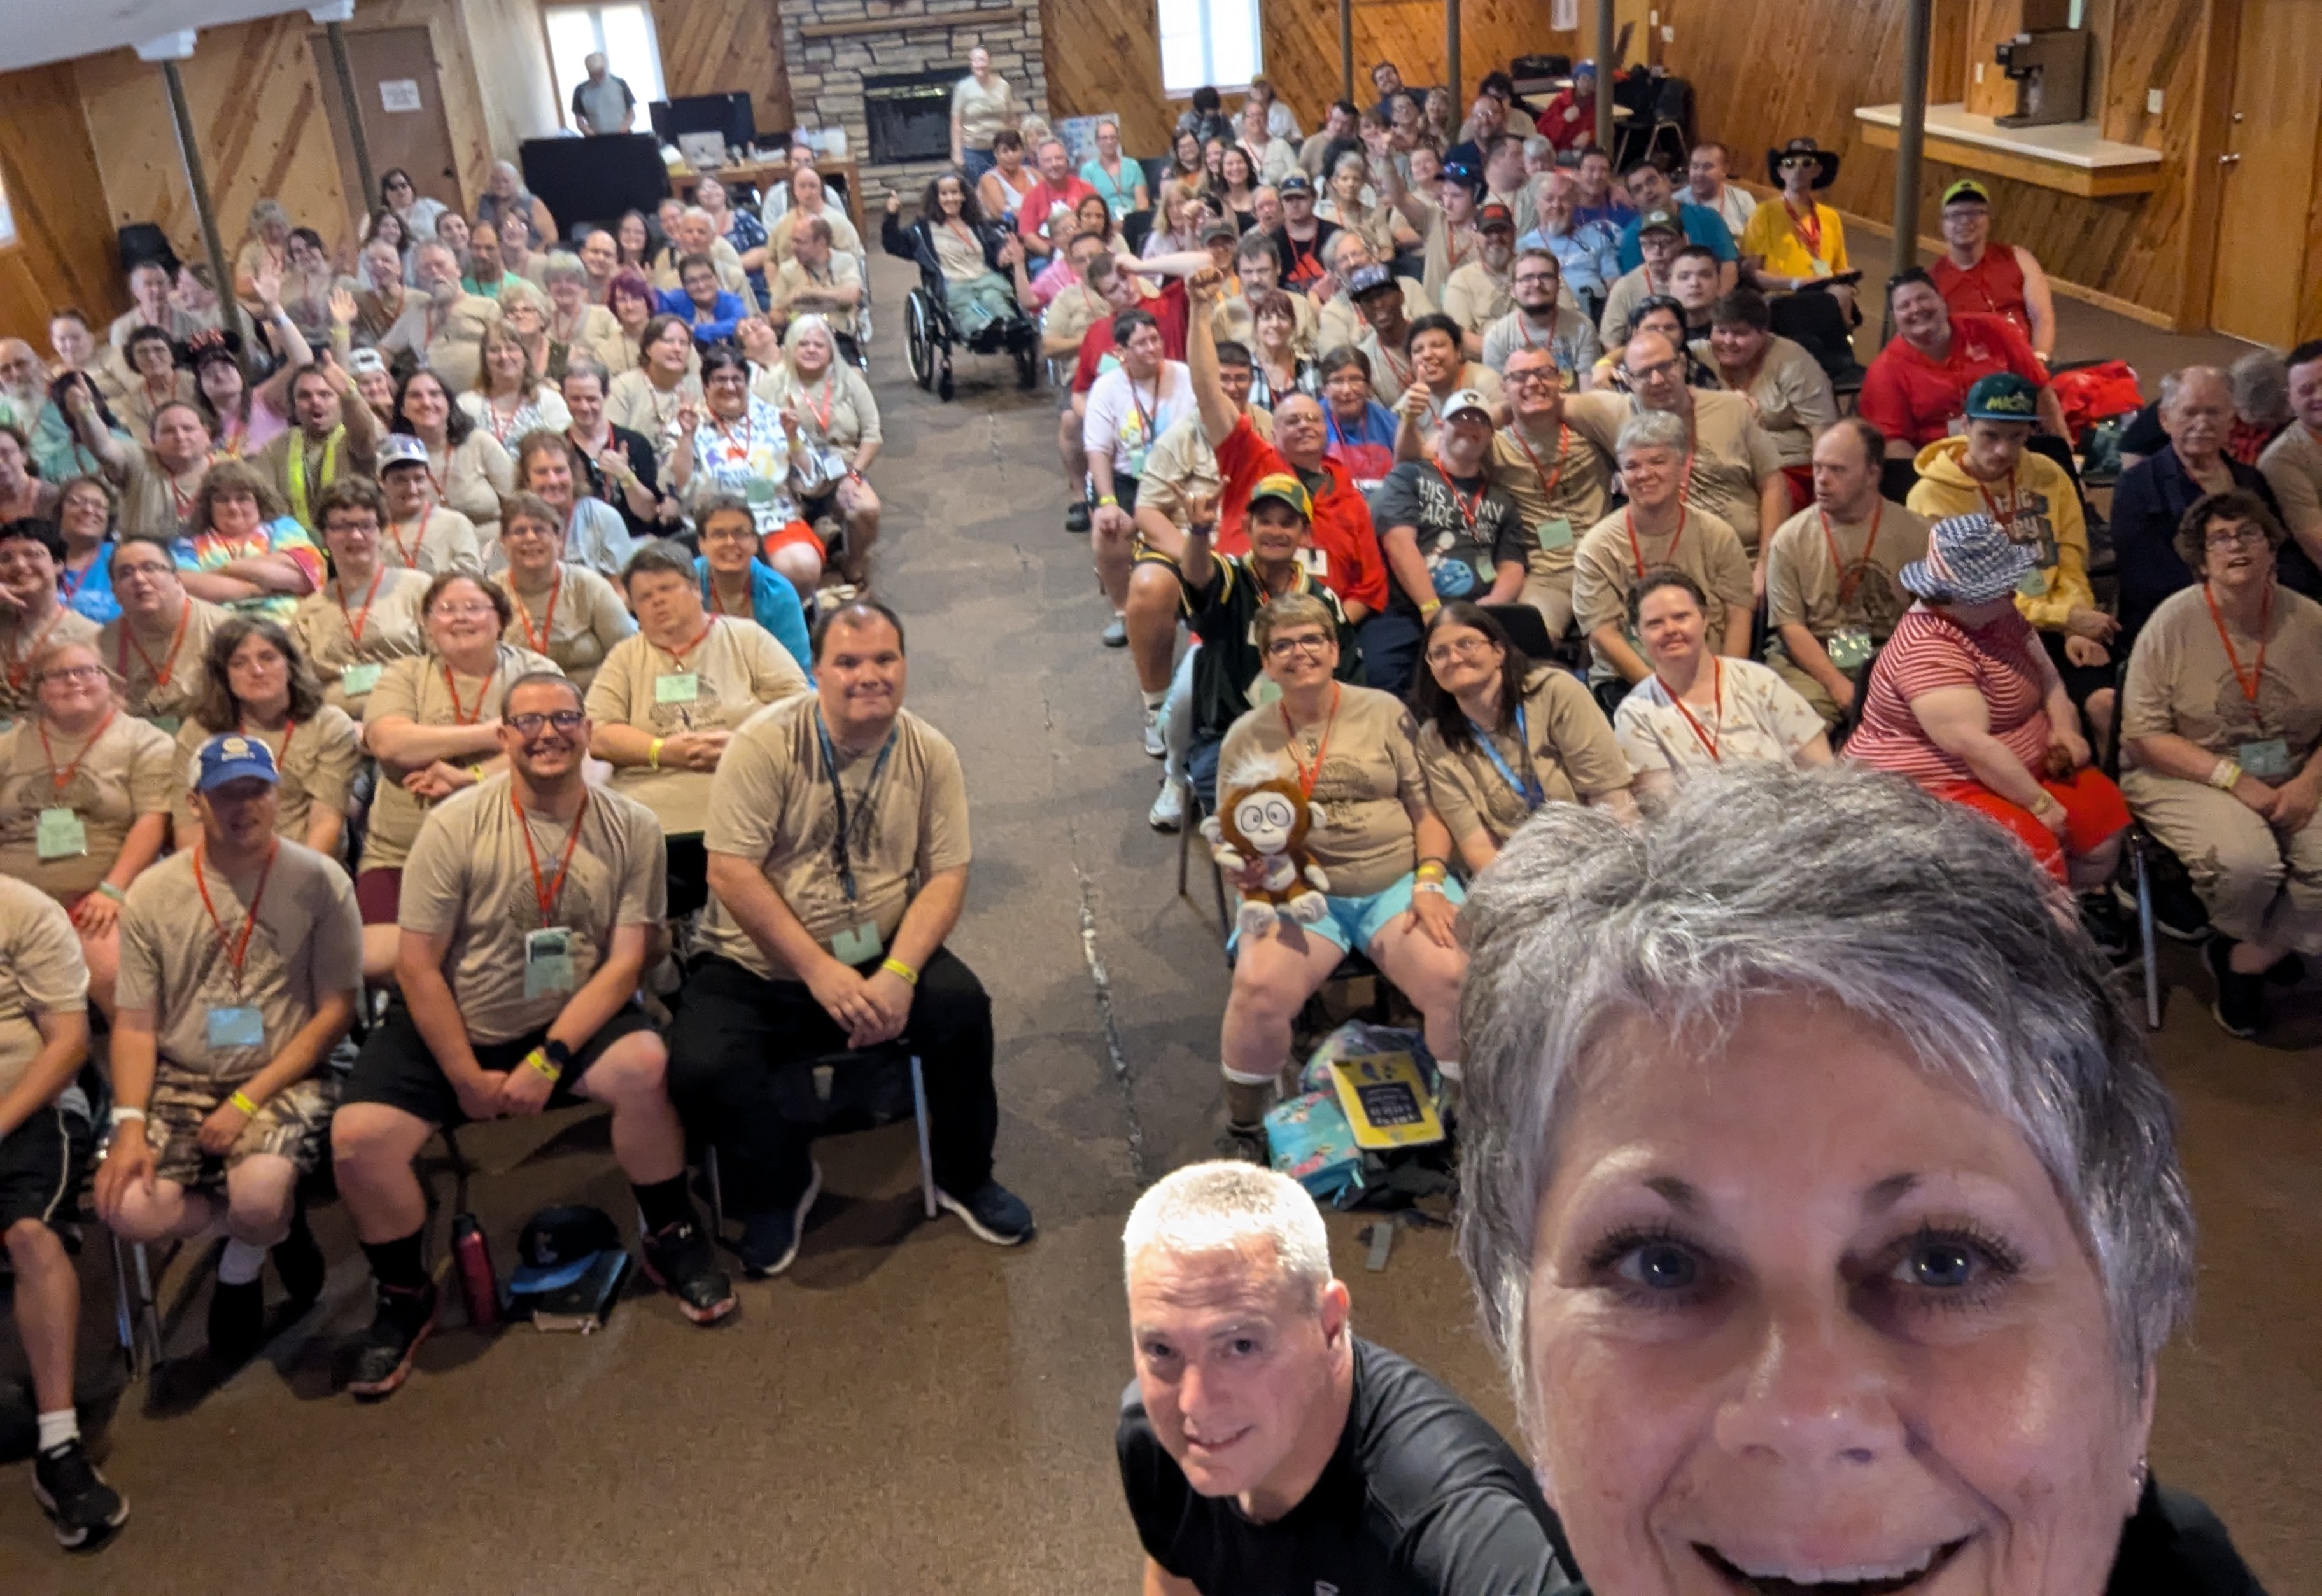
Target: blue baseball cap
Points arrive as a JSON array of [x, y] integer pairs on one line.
[[233, 757]]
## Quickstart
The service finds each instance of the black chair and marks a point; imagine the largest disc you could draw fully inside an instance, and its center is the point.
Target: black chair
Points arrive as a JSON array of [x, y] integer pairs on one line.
[[1672, 118], [849, 1090], [1527, 628], [1816, 323], [1134, 228]]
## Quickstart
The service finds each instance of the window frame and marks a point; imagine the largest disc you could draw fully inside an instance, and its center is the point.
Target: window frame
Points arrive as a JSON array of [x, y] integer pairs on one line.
[[594, 10], [1209, 51]]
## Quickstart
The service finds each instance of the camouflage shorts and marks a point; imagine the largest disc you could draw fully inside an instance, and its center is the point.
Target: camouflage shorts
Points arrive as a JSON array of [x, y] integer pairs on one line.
[[291, 1124]]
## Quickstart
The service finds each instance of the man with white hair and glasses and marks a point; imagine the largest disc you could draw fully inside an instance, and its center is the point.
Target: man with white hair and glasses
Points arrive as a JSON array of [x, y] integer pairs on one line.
[[1265, 1447]]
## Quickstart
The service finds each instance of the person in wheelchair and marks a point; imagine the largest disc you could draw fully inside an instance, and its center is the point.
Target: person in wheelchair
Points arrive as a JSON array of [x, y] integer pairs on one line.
[[1353, 754], [837, 840], [1833, 591], [528, 907], [968, 255], [44, 1146], [1500, 736], [241, 962]]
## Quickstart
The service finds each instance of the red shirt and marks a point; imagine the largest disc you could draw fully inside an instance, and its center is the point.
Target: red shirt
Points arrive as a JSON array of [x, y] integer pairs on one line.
[[1568, 123], [2001, 662], [1353, 566], [1993, 286], [1042, 202], [1169, 310], [1905, 395]]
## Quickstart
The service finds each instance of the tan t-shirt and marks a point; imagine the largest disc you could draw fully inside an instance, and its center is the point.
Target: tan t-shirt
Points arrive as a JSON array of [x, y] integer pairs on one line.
[[305, 947], [129, 770], [152, 501], [420, 689], [1566, 747], [1370, 777], [316, 759], [1804, 588], [363, 630], [1560, 506], [721, 682], [1474, 297], [1731, 452], [771, 801], [41, 973], [982, 110], [2181, 682], [20, 650], [438, 539], [469, 878], [162, 676], [1605, 567], [2292, 464], [587, 622]]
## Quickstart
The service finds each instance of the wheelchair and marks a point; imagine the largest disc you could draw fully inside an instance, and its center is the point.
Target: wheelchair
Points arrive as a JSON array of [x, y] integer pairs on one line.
[[929, 336]]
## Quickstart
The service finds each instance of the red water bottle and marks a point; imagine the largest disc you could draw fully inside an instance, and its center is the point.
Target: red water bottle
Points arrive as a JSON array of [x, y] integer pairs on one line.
[[480, 1283]]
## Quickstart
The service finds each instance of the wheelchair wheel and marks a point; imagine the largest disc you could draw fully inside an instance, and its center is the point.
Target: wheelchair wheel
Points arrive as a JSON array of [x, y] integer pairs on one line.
[[1027, 352], [918, 339]]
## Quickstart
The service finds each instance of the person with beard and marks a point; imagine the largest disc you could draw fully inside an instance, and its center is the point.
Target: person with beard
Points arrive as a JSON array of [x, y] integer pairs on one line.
[[1479, 293], [1535, 320]]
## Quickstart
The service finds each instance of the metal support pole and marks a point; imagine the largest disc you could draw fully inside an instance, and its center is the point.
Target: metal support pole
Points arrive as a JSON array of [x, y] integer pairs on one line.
[[1910, 138], [1604, 75], [189, 151], [354, 116], [1346, 49], [1451, 61]]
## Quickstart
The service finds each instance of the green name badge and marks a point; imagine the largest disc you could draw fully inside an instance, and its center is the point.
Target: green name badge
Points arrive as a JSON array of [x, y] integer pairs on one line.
[[1263, 690], [355, 680], [166, 723], [1136, 462], [1554, 534], [1848, 647], [548, 963], [2032, 583], [240, 1026], [758, 491], [61, 834], [682, 687], [858, 946], [2267, 759]]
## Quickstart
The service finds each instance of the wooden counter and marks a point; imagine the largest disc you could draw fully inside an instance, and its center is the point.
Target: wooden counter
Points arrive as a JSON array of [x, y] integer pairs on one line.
[[2068, 156]]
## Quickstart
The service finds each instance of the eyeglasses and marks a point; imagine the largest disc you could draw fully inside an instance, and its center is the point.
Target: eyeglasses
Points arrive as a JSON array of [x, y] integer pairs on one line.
[[461, 612], [2233, 537], [74, 673], [564, 720], [1460, 648], [151, 572], [1534, 279], [1658, 369], [1312, 645], [1546, 376]]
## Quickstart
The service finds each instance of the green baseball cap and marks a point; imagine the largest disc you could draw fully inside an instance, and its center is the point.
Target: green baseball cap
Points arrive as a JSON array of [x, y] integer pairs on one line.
[[2003, 397], [1287, 488]]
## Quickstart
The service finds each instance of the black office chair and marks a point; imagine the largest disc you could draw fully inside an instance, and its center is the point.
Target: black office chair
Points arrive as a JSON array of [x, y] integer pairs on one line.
[[1527, 628], [1672, 118], [1815, 323]]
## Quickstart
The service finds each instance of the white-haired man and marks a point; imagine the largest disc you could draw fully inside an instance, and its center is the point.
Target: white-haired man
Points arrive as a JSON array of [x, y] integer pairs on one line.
[[1263, 1447]]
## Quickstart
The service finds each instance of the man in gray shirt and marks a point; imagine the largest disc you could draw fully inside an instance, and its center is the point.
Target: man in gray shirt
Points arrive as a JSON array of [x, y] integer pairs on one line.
[[602, 103]]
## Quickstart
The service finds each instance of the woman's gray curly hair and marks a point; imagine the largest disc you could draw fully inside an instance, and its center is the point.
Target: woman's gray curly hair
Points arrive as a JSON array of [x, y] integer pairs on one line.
[[1855, 890]]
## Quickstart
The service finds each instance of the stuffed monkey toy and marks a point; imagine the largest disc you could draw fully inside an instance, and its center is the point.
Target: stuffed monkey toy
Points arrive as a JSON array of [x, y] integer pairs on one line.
[[1266, 820]]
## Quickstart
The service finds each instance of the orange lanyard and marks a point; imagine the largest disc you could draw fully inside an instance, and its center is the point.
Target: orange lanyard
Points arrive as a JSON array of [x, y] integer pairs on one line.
[[168, 667], [677, 655], [2005, 521], [1468, 508], [547, 892], [290, 727], [2248, 684], [356, 623], [1846, 583], [1637, 554], [236, 948], [467, 718], [540, 640], [1717, 708], [1307, 772], [418, 538], [830, 399], [1563, 438], [64, 780], [1808, 231]]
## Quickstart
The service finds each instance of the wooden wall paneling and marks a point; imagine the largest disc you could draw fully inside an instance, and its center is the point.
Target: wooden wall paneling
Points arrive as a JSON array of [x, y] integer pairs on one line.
[[718, 46], [64, 253], [510, 47], [1105, 56]]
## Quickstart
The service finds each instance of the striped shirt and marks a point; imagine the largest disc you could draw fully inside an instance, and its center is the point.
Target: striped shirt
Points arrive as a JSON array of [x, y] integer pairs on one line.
[[1930, 651]]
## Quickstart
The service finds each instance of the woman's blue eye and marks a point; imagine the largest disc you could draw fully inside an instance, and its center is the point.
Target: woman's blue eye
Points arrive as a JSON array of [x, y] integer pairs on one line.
[[1937, 1265], [1659, 1266]]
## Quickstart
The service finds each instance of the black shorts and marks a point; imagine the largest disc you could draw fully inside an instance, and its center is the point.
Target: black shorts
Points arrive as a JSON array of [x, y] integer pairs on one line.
[[43, 1162], [2080, 680], [397, 1068], [689, 874]]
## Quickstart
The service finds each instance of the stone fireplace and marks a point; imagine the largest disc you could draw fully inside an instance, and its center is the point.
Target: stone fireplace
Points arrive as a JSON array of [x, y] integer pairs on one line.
[[833, 46]]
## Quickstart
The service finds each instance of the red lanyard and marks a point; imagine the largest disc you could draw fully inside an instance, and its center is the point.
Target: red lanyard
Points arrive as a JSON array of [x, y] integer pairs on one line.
[[539, 639], [20, 665], [356, 623], [1637, 554], [467, 718], [2005, 521], [749, 432], [236, 948], [547, 892], [1846, 583], [1307, 772], [290, 727], [168, 667], [1809, 229], [418, 538], [182, 501], [60, 780], [1468, 508], [1547, 482], [1717, 708], [677, 655], [2248, 684]]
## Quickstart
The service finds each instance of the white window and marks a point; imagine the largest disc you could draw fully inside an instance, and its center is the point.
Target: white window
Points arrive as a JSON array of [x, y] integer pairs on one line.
[[1208, 42], [622, 33]]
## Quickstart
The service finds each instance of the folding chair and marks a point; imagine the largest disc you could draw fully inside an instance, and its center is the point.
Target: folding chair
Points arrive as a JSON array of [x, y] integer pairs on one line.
[[841, 1105], [1672, 118], [1814, 322], [2139, 844]]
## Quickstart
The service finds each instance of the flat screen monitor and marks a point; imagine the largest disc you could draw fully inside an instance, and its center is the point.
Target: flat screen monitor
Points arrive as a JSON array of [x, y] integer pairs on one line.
[[727, 115]]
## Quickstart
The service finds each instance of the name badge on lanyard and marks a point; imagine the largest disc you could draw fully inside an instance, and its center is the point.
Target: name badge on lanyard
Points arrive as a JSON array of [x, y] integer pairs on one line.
[[236, 1026], [61, 833], [1848, 647], [355, 680], [860, 943], [548, 963], [682, 688], [2267, 758], [1554, 534]]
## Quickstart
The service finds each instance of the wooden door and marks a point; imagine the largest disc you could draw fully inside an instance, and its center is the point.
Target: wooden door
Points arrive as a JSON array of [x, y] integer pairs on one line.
[[401, 95], [2268, 170]]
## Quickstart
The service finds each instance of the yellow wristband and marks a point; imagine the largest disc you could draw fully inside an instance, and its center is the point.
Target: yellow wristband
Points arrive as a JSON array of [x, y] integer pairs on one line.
[[1429, 607], [476, 773], [241, 1099], [1110, 500], [538, 1059], [652, 754], [1432, 870], [896, 967]]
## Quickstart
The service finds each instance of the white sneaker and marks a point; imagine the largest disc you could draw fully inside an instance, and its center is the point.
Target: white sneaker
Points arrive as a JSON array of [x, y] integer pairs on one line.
[[1168, 810], [1156, 744]]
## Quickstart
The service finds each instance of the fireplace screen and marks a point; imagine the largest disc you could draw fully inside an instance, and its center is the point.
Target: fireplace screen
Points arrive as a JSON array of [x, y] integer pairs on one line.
[[908, 116]]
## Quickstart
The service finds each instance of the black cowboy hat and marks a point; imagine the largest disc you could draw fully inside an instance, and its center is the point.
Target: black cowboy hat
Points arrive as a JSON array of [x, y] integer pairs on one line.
[[1825, 160]]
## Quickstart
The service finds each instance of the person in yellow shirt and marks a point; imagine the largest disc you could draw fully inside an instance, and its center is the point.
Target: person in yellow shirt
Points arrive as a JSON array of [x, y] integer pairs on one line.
[[1795, 240], [2032, 499]]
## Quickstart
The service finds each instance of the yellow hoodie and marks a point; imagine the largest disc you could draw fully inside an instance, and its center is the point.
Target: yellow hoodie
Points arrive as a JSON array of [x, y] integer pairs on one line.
[[2035, 505]]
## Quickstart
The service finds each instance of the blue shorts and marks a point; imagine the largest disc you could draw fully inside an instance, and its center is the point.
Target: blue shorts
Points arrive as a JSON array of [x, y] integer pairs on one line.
[[1353, 923]]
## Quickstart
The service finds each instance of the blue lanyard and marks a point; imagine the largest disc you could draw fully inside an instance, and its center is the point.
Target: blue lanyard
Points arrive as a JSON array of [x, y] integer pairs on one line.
[[838, 850], [1529, 789]]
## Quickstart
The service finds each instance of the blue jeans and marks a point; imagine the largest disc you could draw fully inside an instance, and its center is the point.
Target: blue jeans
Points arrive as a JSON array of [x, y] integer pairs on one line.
[[978, 162], [1390, 643], [1201, 765]]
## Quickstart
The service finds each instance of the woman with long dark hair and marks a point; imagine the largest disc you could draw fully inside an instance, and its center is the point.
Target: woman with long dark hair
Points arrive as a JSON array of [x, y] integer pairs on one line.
[[974, 256]]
